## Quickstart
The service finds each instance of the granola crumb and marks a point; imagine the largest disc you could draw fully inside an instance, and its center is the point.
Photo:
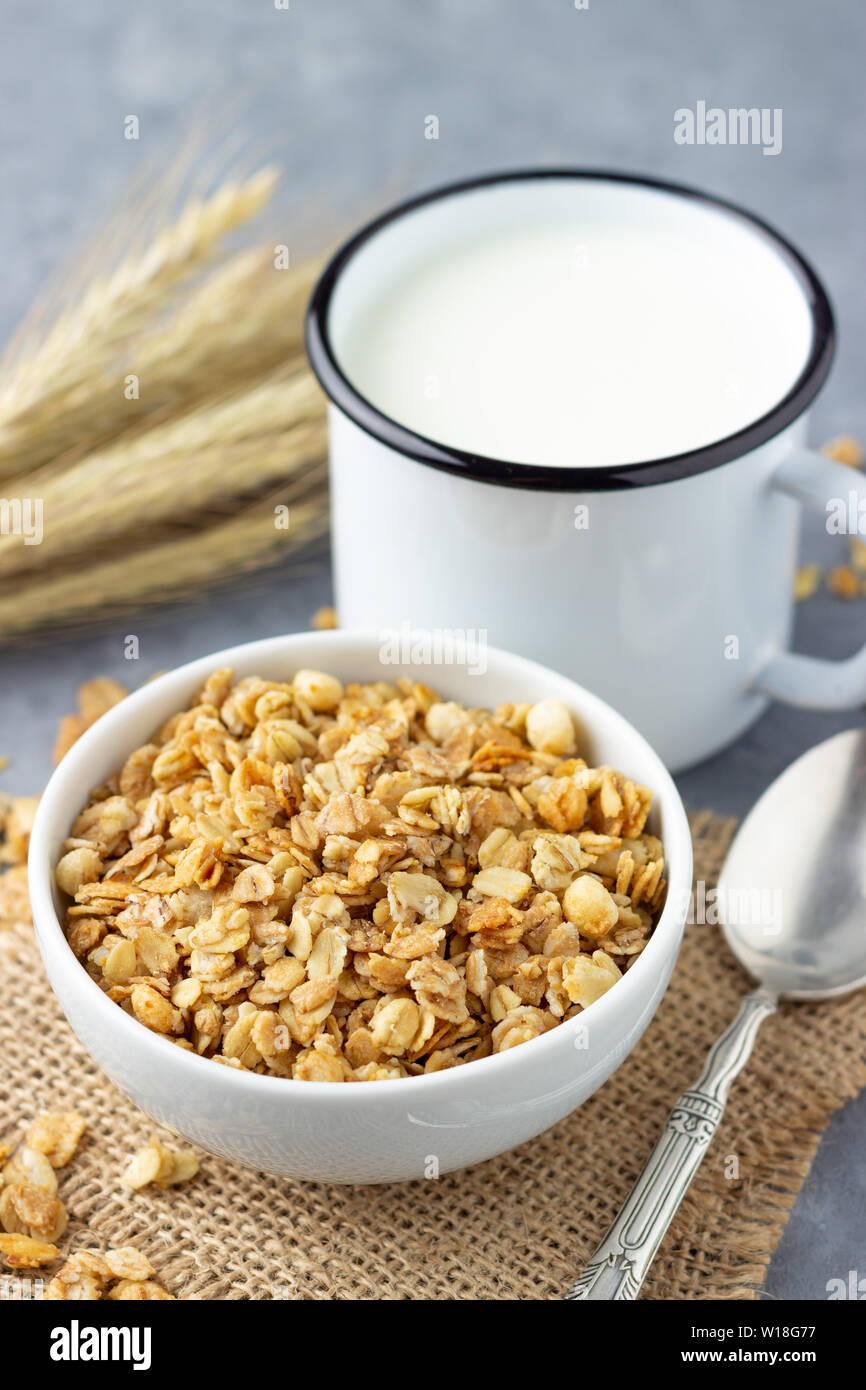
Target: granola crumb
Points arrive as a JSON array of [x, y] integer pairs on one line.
[[95, 698], [17, 814], [122, 1274], [843, 582], [15, 897], [82, 1277], [156, 1163], [69, 731], [325, 619], [857, 554], [29, 1165], [128, 1263], [56, 1134], [28, 1210], [31, 1213], [844, 448], [98, 695], [806, 582], [145, 1291], [23, 1252]]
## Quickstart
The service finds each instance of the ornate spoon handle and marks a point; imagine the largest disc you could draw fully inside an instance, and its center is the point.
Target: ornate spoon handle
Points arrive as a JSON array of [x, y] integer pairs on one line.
[[620, 1264]]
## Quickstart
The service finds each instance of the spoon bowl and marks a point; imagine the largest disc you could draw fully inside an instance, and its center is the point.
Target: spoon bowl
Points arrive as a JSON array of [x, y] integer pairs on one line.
[[792, 893]]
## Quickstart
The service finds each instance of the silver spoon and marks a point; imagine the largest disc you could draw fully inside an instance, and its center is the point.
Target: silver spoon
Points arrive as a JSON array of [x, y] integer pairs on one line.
[[792, 902]]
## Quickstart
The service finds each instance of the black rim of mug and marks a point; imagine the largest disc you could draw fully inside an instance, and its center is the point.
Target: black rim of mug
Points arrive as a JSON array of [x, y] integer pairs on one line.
[[547, 477]]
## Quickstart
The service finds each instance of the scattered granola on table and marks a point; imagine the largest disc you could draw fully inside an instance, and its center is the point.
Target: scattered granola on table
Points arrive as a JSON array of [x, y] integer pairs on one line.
[[23, 1252], [806, 582], [340, 884], [32, 1217], [325, 619], [16, 821], [14, 896], [844, 448], [95, 698], [17, 814], [30, 1209], [843, 582], [123, 1274], [56, 1135], [160, 1165]]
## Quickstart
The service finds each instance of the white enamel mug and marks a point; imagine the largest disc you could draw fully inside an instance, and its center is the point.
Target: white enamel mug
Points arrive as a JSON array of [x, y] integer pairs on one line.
[[663, 583]]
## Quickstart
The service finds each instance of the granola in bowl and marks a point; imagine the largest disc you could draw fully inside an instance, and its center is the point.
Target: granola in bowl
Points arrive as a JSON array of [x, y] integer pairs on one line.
[[331, 883]]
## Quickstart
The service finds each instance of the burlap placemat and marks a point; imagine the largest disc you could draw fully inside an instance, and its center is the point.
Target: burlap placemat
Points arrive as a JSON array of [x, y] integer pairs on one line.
[[519, 1226]]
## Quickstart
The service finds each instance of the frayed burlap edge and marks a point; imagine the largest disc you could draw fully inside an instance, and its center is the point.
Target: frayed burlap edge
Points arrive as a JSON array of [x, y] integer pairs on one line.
[[517, 1227]]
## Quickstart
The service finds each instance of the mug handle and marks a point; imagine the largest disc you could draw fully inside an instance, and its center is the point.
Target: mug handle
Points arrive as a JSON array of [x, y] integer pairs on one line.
[[810, 681]]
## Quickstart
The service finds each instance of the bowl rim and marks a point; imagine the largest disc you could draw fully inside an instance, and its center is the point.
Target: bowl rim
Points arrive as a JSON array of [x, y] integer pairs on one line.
[[71, 771]]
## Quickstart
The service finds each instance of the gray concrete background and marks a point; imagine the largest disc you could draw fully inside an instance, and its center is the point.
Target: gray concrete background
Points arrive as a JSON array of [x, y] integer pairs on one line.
[[339, 90]]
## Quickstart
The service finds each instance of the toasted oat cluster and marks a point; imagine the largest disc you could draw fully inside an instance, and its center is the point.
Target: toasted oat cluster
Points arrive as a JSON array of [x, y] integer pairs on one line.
[[32, 1216], [354, 884], [122, 1275], [158, 1164]]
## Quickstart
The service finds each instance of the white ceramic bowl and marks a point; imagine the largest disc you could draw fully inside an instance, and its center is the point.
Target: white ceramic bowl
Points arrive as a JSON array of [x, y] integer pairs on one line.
[[381, 1131]]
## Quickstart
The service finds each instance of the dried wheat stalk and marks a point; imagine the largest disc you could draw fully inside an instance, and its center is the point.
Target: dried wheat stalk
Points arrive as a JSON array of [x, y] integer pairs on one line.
[[89, 337], [151, 496], [174, 569], [181, 466], [245, 319]]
